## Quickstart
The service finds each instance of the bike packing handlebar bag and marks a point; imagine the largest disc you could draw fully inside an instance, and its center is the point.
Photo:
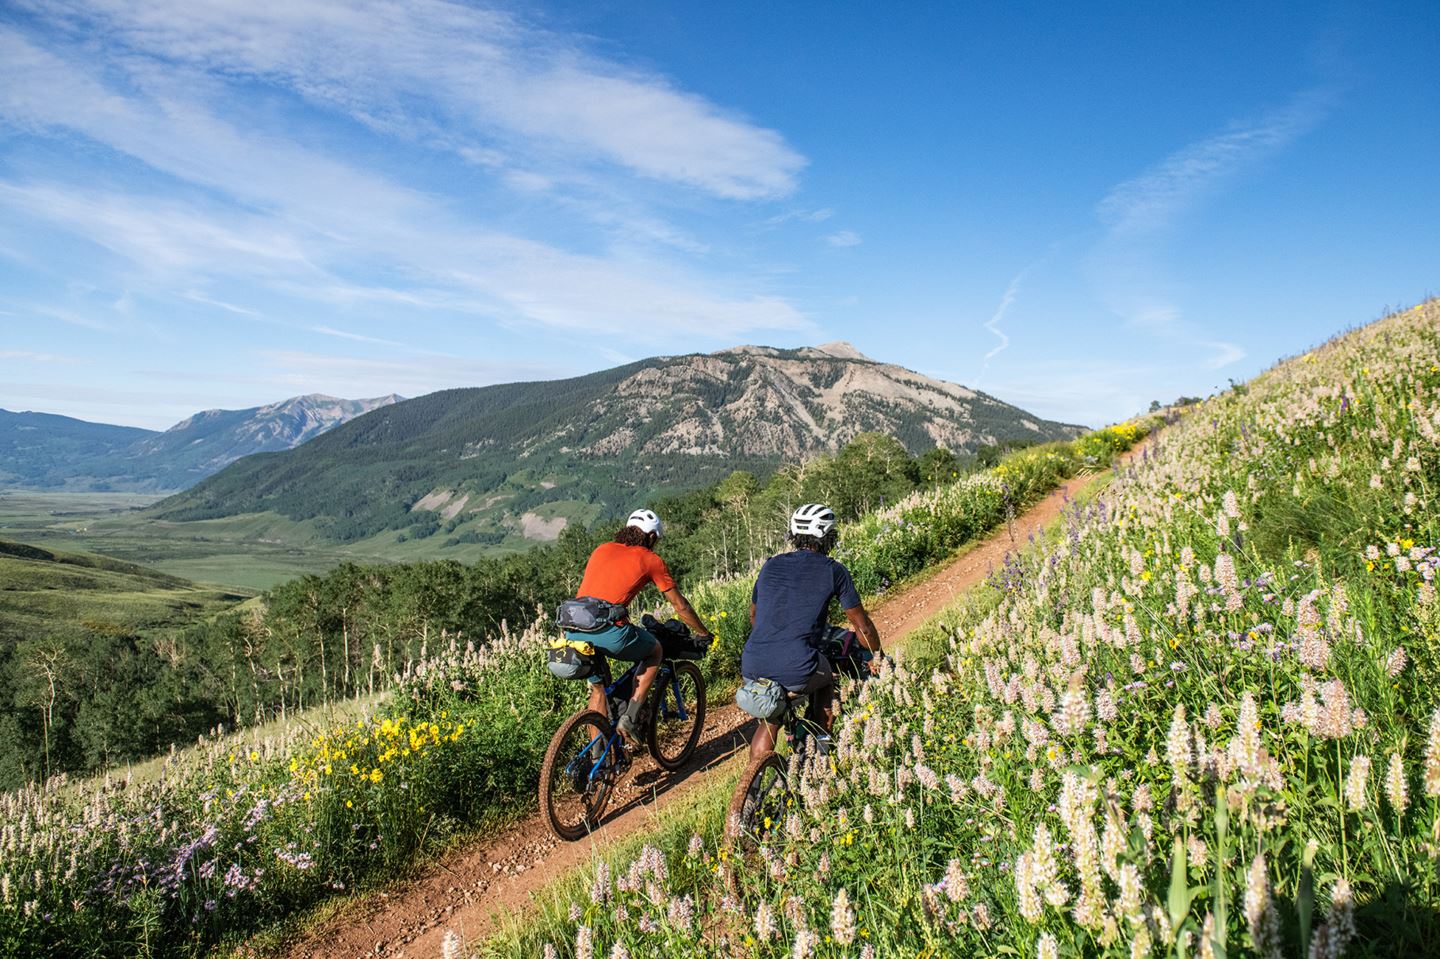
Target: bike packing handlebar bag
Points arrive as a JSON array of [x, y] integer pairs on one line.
[[675, 638], [847, 657], [763, 699], [586, 614], [571, 660]]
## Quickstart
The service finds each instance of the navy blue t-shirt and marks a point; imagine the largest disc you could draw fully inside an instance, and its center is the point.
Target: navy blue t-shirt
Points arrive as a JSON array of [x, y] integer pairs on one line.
[[792, 595]]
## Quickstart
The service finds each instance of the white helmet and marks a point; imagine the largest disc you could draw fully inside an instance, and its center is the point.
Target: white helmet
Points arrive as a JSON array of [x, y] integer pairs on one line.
[[812, 519], [646, 522]]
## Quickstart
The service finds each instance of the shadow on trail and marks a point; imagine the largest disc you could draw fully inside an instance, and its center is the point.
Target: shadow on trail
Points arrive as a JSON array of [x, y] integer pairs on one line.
[[653, 782]]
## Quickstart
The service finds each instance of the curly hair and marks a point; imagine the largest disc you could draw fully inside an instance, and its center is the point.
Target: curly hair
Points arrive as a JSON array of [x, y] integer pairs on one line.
[[635, 536], [817, 544]]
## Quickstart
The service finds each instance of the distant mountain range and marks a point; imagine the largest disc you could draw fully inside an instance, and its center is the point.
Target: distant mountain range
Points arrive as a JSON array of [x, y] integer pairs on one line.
[[485, 464], [45, 451]]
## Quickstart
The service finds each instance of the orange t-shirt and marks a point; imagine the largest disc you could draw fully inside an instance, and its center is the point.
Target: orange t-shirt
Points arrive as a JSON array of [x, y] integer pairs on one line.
[[616, 572]]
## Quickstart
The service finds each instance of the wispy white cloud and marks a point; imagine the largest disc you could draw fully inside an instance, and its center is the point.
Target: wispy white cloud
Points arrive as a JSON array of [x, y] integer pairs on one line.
[[26, 356], [1152, 202], [495, 84], [307, 224], [84, 321], [843, 238], [295, 371], [804, 216], [1140, 214], [197, 297], [356, 337], [163, 236]]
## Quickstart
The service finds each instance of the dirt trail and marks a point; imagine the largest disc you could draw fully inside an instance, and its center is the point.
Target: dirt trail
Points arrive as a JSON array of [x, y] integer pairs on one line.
[[470, 889]]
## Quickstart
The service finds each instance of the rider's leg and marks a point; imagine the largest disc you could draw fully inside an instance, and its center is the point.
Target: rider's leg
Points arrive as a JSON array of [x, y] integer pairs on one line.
[[763, 742], [597, 697], [645, 677], [821, 688], [640, 647]]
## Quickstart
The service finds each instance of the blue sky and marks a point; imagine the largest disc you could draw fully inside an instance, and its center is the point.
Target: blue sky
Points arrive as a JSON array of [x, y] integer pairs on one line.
[[1076, 207]]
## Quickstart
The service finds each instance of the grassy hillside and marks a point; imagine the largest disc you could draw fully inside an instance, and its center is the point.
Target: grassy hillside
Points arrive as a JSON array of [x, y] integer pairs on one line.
[[93, 670], [1204, 721], [43, 592]]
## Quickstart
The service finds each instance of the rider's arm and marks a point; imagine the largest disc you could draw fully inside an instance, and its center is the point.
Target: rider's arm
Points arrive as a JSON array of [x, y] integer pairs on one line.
[[864, 628], [752, 614], [685, 611]]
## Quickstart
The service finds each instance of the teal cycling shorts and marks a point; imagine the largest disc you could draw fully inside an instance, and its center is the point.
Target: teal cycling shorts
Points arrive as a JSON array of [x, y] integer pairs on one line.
[[628, 642]]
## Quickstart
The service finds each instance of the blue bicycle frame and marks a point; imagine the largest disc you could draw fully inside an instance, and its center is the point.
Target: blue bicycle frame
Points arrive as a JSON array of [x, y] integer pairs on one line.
[[621, 688]]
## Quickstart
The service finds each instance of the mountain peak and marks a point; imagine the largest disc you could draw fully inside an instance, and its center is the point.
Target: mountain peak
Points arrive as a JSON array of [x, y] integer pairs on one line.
[[842, 349], [837, 349]]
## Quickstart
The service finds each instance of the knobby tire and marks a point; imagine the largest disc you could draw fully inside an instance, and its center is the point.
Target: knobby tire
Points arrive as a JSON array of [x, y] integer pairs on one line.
[[682, 733], [744, 822], [573, 814]]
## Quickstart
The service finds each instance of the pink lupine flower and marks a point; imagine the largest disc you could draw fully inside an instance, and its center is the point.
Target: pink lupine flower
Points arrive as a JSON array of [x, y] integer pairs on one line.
[[765, 929], [1355, 798], [1027, 896], [1338, 929], [842, 919], [1178, 748], [1335, 719], [1397, 789], [1261, 917], [1432, 757], [1395, 663], [1245, 748]]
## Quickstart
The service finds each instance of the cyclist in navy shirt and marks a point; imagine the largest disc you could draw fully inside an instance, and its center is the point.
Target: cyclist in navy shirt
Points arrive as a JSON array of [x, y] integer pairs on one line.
[[789, 609]]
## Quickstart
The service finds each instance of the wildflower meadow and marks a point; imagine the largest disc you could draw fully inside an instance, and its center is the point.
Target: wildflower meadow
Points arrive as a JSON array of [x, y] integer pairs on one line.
[[1198, 720], [239, 834]]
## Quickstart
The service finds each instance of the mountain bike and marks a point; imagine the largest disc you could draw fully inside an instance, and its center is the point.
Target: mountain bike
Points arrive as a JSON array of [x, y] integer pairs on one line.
[[765, 793], [587, 755]]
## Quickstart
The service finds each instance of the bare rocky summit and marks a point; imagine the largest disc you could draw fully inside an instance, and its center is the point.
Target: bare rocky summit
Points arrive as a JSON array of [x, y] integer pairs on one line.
[[759, 401]]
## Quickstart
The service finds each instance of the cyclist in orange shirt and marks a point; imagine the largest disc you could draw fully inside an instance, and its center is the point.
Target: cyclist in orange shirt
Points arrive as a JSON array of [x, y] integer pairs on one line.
[[615, 573]]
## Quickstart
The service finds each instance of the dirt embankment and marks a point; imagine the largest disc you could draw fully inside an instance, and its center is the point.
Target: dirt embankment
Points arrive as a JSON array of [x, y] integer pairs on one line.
[[471, 888]]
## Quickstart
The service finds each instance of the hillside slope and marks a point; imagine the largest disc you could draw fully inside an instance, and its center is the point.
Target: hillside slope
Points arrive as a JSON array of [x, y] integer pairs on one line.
[[493, 457], [37, 450]]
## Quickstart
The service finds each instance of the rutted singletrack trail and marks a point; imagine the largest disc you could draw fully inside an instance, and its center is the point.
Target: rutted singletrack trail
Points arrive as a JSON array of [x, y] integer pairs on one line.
[[470, 888]]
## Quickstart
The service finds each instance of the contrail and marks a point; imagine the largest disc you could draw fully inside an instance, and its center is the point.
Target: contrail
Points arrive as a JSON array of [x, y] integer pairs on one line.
[[993, 324]]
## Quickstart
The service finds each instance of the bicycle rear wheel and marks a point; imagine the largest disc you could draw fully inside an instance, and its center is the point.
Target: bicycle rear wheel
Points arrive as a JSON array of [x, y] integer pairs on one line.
[[760, 802], [578, 774], [677, 716]]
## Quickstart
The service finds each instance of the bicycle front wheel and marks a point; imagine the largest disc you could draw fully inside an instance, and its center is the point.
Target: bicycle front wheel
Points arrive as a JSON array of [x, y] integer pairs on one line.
[[760, 802], [677, 716], [578, 774]]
